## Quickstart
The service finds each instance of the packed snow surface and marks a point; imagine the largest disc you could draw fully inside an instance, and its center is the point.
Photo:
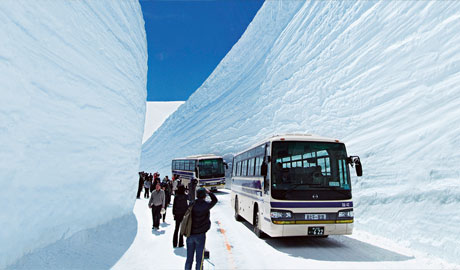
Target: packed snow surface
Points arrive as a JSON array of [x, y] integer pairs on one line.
[[232, 245], [383, 76], [72, 109]]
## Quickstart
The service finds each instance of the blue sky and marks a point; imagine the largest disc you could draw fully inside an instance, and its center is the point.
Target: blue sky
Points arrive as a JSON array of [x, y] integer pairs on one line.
[[187, 40]]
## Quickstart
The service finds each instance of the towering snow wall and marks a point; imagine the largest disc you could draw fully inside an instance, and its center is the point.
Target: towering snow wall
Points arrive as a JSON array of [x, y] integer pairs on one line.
[[72, 106], [382, 76]]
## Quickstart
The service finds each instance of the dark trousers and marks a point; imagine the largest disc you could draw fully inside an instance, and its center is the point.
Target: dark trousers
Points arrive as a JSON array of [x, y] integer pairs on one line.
[[164, 216], [156, 216], [139, 189], [195, 243], [146, 193], [176, 233]]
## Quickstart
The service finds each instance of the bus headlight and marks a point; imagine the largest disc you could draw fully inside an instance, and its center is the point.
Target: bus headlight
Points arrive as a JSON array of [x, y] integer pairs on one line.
[[346, 214], [277, 214]]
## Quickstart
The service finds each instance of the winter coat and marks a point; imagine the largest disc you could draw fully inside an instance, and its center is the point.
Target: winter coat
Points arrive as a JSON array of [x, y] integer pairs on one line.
[[180, 205], [200, 214], [174, 185], [147, 184], [157, 198], [155, 181]]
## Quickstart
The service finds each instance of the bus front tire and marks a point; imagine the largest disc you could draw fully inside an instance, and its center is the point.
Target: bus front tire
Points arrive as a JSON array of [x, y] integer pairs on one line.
[[237, 216]]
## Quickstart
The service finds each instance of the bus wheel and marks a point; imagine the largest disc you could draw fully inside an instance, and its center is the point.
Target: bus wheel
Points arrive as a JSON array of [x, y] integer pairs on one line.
[[256, 223], [237, 216]]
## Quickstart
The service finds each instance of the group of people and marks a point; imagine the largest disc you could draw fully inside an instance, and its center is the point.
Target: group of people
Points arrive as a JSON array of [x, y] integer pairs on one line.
[[153, 186], [183, 199]]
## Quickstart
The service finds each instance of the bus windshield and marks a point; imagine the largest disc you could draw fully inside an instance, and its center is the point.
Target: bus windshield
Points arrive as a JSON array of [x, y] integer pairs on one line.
[[306, 170], [211, 168]]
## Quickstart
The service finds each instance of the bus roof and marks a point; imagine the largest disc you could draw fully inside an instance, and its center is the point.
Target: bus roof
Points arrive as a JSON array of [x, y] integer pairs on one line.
[[293, 137], [300, 137], [202, 156]]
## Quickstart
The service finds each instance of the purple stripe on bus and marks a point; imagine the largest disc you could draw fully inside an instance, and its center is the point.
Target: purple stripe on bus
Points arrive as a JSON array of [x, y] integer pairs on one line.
[[310, 204]]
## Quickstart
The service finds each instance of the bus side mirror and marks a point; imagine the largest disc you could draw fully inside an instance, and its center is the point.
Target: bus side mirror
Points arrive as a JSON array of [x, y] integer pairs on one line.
[[226, 165], [356, 162]]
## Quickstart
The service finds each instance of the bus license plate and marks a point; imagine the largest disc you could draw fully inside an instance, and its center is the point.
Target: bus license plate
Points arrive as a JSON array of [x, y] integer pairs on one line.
[[315, 230], [315, 216]]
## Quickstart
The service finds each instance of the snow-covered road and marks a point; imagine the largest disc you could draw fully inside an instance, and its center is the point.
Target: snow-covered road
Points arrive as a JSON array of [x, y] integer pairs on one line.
[[233, 246]]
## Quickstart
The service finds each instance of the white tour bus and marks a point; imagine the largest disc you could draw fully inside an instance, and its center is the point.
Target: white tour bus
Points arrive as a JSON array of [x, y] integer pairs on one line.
[[207, 169], [295, 185]]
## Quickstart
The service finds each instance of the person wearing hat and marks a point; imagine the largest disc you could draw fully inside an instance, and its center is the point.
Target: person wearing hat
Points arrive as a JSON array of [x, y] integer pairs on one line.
[[180, 206], [200, 225]]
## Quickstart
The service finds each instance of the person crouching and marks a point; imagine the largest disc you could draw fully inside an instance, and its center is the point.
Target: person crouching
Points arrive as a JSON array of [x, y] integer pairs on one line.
[[157, 202]]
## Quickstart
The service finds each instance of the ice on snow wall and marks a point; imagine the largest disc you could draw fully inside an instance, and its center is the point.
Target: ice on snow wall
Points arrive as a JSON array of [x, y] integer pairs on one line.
[[383, 76], [72, 104]]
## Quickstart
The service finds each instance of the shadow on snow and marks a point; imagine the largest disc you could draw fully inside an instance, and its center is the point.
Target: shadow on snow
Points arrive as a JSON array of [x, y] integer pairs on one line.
[[97, 248], [333, 248]]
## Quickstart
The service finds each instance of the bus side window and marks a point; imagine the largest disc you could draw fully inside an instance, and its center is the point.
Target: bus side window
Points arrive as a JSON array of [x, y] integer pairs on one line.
[[251, 166], [245, 167]]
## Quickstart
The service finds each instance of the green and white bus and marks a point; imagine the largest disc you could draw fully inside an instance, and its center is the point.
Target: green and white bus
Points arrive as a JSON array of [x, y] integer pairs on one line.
[[295, 185], [208, 170]]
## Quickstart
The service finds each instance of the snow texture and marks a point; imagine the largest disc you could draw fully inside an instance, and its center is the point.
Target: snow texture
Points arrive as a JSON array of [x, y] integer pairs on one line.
[[156, 113], [382, 76], [233, 245], [72, 109]]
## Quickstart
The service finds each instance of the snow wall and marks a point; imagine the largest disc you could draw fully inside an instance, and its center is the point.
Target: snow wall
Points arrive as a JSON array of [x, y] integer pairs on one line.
[[72, 109], [382, 76]]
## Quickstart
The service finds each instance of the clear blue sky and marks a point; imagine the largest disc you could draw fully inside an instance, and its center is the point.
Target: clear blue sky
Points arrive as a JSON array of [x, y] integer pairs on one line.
[[187, 40]]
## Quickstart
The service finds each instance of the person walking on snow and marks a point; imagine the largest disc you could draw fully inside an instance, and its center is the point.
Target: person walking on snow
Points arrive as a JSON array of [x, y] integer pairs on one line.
[[175, 182], [152, 187], [141, 185], [157, 203], [147, 185], [165, 188], [156, 179], [180, 206], [200, 225]]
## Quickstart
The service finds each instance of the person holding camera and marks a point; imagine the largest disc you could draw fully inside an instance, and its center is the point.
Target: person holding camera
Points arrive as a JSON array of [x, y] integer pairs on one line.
[[201, 223]]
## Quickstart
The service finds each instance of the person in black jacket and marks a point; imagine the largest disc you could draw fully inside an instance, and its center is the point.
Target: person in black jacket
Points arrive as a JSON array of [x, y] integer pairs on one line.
[[165, 188], [180, 205], [200, 225], [191, 189], [141, 184]]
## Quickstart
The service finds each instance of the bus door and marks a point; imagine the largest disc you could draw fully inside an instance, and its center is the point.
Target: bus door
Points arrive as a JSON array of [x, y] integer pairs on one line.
[[265, 172]]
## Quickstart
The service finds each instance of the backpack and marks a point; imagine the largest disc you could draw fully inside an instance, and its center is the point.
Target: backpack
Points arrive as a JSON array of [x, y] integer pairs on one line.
[[186, 223]]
